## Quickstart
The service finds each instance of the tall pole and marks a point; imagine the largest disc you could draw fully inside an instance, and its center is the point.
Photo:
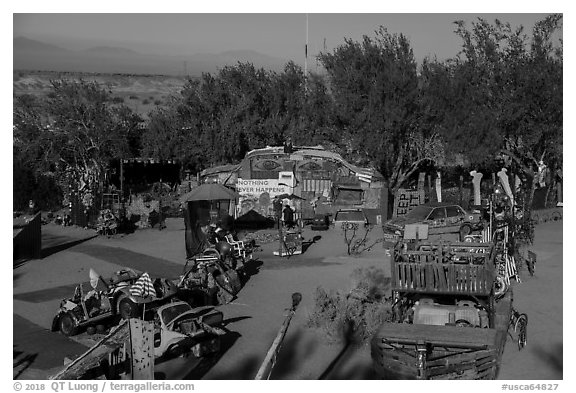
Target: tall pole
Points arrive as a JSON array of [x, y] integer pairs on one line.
[[121, 180], [306, 56], [267, 365]]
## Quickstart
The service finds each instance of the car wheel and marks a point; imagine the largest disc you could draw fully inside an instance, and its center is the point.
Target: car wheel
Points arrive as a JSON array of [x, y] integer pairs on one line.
[[463, 323], [465, 230], [174, 351], [128, 309], [68, 325]]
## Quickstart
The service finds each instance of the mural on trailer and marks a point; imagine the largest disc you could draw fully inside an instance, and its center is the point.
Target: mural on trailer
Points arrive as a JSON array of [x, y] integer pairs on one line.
[[257, 195]]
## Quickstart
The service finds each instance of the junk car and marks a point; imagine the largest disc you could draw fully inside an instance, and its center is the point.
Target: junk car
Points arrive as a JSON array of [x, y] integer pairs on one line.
[[350, 216], [180, 329], [124, 296], [441, 218], [321, 222]]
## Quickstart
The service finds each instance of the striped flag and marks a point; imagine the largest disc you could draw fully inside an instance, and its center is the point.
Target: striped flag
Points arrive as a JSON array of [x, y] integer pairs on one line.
[[143, 287]]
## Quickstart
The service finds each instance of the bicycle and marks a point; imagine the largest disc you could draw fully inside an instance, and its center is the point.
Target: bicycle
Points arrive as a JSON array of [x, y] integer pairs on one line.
[[520, 323]]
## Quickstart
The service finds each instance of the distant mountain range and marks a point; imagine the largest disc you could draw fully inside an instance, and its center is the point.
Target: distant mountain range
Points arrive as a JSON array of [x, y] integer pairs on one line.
[[35, 55]]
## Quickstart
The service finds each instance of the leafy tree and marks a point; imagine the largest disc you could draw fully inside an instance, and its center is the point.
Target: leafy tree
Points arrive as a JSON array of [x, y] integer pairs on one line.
[[218, 118], [75, 130], [374, 84], [510, 94]]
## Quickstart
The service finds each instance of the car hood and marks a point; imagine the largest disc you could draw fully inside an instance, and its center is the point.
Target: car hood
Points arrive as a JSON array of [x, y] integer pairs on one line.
[[399, 222], [194, 313]]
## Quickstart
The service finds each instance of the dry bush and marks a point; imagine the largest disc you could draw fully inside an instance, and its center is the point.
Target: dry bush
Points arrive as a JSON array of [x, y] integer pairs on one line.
[[373, 281], [354, 316]]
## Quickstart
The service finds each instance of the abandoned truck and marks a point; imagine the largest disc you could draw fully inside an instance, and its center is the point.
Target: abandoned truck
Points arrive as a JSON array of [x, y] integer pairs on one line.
[[123, 296], [450, 321]]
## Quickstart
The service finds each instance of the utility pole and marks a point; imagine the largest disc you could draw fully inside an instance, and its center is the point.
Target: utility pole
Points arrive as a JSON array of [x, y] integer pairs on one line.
[[306, 57], [122, 180]]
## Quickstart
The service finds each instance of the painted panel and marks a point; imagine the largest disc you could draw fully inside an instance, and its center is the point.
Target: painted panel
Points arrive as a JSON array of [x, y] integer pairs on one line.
[[406, 200], [257, 195]]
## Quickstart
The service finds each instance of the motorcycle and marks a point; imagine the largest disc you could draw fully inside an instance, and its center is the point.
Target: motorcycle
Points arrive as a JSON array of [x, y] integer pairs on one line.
[[208, 280], [234, 253]]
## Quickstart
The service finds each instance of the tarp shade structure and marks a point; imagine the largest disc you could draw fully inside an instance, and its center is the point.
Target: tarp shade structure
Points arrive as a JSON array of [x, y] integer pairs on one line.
[[290, 197], [203, 205], [142, 172], [209, 211], [210, 192], [195, 240]]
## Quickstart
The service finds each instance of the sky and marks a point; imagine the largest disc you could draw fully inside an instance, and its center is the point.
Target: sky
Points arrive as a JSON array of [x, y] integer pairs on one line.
[[280, 35]]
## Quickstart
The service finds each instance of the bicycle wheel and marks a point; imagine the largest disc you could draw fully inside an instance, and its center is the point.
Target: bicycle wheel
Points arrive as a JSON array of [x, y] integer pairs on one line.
[[521, 327]]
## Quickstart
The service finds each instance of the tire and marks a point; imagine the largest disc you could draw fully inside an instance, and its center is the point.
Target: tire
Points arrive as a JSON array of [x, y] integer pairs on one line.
[[521, 327], [463, 323], [500, 287], [68, 326], [174, 351], [100, 329], [530, 265], [128, 309], [91, 330], [465, 230]]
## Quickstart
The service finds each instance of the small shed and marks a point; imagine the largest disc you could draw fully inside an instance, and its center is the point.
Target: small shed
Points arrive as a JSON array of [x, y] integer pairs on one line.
[[27, 238]]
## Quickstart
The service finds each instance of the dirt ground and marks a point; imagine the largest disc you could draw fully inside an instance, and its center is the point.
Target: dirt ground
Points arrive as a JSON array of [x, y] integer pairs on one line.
[[254, 318]]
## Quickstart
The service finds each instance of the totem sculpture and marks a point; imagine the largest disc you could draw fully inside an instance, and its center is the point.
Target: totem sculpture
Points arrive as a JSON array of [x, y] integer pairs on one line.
[[559, 187], [439, 186], [476, 179], [542, 174], [503, 176]]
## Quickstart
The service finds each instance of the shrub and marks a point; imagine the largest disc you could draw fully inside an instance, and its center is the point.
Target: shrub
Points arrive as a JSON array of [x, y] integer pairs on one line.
[[372, 281], [133, 97], [118, 100], [145, 102], [355, 316], [158, 102]]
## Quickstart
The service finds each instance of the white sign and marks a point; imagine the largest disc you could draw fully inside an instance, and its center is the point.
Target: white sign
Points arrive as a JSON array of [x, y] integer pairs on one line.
[[260, 186]]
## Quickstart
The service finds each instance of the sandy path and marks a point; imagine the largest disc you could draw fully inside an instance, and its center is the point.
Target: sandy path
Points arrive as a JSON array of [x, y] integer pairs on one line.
[[256, 315], [541, 298]]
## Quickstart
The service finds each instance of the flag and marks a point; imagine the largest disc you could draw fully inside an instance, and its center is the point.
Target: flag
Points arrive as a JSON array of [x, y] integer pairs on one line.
[[486, 235], [94, 277], [143, 287]]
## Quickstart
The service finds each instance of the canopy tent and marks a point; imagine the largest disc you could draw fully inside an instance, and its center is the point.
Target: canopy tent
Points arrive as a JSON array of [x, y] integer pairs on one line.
[[203, 205], [290, 197], [209, 192]]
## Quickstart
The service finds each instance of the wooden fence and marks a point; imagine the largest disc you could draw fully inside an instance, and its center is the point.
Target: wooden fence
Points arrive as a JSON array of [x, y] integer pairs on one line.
[[439, 278], [466, 268]]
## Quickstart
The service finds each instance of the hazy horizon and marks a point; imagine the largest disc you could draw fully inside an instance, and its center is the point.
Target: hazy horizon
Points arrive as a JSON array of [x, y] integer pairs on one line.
[[278, 35]]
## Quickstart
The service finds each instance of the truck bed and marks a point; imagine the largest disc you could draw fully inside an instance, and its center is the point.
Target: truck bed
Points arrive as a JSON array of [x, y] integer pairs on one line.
[[453, 336]]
